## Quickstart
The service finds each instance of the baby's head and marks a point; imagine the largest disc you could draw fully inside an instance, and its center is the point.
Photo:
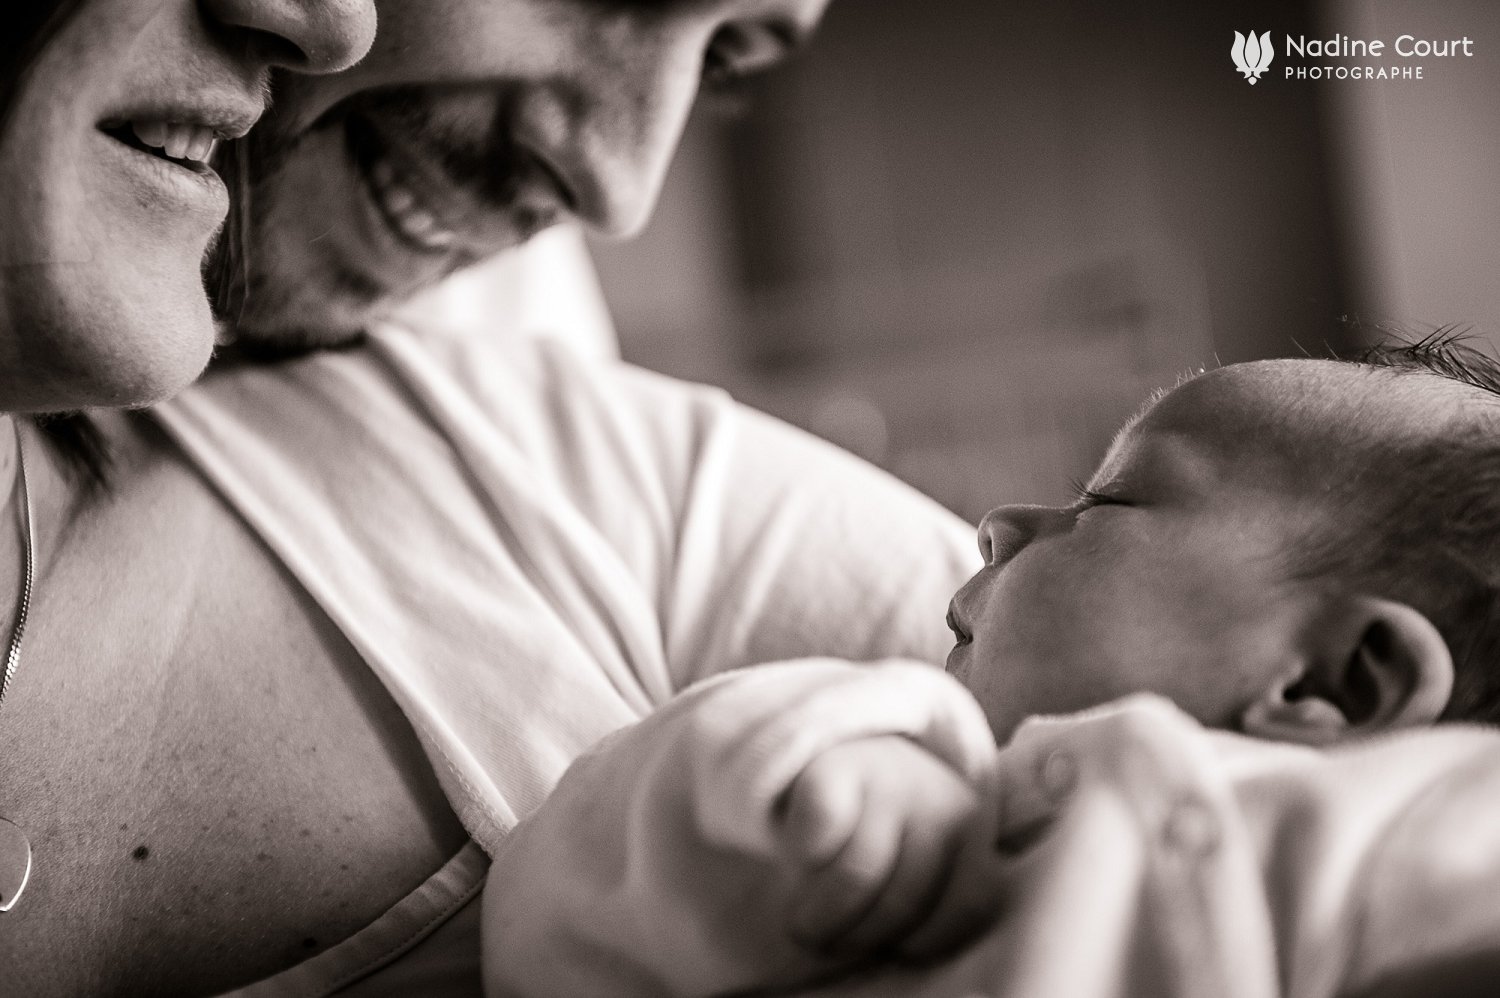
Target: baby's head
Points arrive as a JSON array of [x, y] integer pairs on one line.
[[1298, 549]]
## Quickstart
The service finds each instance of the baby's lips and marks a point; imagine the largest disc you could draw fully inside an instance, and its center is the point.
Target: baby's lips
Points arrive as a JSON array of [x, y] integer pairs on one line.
[[955, 625]]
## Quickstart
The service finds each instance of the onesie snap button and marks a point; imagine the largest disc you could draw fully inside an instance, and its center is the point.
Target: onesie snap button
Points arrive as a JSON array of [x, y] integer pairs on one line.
[[1190, 827], [1057, 774]]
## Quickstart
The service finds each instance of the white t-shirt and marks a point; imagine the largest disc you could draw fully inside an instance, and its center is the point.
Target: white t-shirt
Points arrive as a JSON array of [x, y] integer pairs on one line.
[[532, 548]]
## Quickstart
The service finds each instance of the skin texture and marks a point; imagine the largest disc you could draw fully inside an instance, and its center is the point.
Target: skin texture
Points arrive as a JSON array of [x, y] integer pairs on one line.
[[101, 299], [1170, 573], [493, 140], [182, 691]]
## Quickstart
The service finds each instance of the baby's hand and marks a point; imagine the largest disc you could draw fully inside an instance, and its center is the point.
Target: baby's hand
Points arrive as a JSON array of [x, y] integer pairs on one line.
[[889, 850]]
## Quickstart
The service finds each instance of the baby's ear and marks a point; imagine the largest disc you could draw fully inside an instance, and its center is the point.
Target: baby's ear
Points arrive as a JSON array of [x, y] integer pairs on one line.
[[1376, 664]]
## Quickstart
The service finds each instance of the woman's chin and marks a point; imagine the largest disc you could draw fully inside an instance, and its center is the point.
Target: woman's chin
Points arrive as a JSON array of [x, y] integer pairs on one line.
[[132, 355], [162, 369]]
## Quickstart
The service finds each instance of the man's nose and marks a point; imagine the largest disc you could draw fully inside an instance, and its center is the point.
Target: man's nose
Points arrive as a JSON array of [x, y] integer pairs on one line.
[[306, 36], [634, 130], [1006, 530]]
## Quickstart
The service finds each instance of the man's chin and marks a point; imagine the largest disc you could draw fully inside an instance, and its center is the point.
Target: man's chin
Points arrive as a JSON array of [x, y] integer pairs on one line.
[[311, 259], [286, 276], [268, 347], [317, 315]]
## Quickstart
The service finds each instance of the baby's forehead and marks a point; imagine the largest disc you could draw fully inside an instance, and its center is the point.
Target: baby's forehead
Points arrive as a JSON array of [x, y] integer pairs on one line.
[[1301, 397], [1288, 418]]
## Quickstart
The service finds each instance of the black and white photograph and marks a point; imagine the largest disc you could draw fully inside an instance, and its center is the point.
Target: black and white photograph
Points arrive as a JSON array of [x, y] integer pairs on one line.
[[729, 498]]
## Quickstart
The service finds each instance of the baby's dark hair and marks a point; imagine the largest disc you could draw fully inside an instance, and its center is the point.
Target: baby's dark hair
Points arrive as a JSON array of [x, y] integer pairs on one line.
[[1419, 518]]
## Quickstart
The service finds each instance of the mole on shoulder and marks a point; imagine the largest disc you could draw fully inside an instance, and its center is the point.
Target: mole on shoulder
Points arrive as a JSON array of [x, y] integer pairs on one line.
[[140, 853]]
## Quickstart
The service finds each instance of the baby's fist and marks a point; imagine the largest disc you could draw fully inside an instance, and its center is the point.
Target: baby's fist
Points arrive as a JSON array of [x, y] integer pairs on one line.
[[888, 850]]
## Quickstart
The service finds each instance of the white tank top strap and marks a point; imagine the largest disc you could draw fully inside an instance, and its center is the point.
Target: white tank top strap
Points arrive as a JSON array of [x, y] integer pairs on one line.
[[439, 910]]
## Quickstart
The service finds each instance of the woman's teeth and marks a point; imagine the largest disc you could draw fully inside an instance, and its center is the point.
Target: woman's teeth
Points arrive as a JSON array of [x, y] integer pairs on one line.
[[193, 143], [402, 206]]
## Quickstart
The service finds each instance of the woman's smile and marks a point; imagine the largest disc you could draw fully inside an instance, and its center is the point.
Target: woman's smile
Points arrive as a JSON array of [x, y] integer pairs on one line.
[[170, 144], [183, 182], [107, 148]]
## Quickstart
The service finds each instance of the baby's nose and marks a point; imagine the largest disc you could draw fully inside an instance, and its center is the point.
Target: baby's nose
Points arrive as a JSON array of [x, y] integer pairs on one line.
[[1006, 530]]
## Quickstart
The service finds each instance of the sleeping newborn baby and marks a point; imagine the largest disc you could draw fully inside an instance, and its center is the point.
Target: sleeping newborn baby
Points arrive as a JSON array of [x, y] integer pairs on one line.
[[1298, 550], [1294, 549]]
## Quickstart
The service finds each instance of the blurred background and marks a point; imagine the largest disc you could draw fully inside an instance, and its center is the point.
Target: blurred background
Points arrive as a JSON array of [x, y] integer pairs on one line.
[[965, 238]]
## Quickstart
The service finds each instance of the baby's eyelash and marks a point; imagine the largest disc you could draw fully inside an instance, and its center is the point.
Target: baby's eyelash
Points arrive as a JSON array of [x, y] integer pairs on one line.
[[1087, 498]]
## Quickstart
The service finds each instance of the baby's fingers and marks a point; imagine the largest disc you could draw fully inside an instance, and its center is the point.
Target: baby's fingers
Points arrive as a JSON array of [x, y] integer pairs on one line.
[[835, 897], [925, 858], [968, 903], [821, 813]]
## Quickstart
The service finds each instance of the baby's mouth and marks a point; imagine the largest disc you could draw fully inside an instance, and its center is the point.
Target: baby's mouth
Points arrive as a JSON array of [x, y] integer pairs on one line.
[[963, 636]]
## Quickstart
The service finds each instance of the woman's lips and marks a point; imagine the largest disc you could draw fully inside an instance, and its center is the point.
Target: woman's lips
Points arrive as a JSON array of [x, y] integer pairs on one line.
[[190, 185], [222, 116], [188, 146]]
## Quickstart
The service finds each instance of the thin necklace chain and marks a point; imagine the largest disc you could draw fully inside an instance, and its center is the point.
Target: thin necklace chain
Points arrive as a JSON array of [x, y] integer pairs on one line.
[[13, 656]]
